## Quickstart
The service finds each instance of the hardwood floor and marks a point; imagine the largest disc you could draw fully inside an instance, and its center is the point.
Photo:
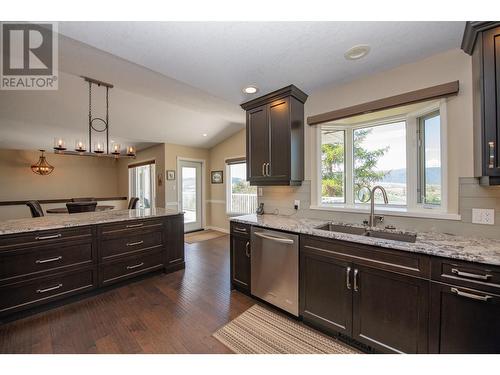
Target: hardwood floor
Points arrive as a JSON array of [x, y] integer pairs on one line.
[[174, 313]]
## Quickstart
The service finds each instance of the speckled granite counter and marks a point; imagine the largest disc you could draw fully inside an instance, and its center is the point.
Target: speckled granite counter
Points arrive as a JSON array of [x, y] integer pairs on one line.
[[74, 220], [479, 250]]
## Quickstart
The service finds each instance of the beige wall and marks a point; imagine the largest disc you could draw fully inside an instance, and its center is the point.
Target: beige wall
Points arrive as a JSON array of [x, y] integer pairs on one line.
[[441, 68], [156, 153], [233, 146], [73, 176]]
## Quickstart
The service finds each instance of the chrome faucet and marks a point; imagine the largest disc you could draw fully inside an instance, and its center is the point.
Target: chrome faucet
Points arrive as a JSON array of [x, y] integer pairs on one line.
[[373, 219]]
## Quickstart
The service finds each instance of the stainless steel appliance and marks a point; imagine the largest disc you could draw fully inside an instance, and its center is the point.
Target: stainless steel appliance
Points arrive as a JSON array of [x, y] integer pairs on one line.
[[275, 268]]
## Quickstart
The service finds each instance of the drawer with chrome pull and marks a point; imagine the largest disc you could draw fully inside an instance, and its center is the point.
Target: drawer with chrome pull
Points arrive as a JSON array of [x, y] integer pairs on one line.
[[117, 230], [127, 245], [22, 295], [240, 229], [467, 274], [33, 262], [124, 268]]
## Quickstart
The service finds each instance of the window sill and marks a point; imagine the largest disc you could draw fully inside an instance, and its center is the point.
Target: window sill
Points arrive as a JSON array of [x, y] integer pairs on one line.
[[392, 211]]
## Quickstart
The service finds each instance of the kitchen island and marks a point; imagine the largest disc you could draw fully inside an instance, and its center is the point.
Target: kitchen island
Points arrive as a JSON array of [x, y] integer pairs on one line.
[[431, 293], [48, 259]]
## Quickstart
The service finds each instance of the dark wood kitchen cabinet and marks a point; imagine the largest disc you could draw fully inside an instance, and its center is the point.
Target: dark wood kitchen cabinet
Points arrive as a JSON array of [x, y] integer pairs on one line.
[[345, 290], [464, 320], [275, 137], [240, 257], [482, 41]]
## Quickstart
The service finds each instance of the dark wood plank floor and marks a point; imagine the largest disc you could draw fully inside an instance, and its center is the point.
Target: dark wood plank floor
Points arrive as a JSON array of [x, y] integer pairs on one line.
[[175, 313]]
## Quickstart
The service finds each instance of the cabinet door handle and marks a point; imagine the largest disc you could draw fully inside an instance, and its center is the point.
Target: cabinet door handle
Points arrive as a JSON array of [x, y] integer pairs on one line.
[[135, 243], [50, 237], [41, 261], [267, 169], [348, 278], [135, 266], [49, 289], [247, 249], [470, 275], [476, 297], [491, 154], [135, 225], [356, 288], [263, 169]]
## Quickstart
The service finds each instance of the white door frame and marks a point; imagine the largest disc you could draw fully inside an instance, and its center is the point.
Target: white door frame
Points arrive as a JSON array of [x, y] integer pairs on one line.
[[203, 195]]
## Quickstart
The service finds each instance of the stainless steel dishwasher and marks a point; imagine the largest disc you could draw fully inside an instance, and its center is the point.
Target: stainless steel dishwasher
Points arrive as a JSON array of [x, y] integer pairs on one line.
[[275, 268]]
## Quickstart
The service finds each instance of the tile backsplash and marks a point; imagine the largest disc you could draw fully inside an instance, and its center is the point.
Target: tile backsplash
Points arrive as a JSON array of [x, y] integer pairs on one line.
[[280, 199]]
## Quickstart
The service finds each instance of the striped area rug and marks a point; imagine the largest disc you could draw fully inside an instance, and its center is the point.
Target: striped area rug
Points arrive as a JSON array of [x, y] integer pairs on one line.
[[262, 331]]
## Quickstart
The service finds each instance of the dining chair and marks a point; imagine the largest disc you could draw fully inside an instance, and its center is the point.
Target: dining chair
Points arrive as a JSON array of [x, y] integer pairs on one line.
[[35, 208], [75, 207], [132, 204], [82, 199]]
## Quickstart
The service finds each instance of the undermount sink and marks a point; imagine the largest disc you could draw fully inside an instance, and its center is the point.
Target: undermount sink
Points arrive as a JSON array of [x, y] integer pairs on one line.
[[382, 234]]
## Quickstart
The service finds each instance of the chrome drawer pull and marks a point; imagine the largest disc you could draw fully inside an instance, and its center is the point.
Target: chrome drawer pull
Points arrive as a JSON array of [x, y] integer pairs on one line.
[[471, 295], [247, 249], [348, 278], [241, 230], [135, 225], [470, 275], [41, 261], [49, 289], [135, 266], [135, 243], [356, 288], [50, 237]]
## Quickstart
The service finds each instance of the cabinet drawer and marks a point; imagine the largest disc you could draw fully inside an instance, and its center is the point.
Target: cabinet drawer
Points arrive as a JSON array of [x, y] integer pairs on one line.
[[117, 230], [239, 229], [472, 275], [376, 257], [130, 244], [41, 238], [125, 268], [32, 262], [22, 295]]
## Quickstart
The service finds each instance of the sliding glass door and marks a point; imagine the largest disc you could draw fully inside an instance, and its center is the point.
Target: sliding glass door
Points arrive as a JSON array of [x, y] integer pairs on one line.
[[141, 179]]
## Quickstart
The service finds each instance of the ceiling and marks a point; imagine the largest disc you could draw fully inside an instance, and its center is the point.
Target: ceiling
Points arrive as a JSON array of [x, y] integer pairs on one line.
[[175, 81], [221, 58]]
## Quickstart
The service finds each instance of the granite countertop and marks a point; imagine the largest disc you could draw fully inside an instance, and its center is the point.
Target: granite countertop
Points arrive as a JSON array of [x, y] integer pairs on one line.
[[58, 221], [480, 250]]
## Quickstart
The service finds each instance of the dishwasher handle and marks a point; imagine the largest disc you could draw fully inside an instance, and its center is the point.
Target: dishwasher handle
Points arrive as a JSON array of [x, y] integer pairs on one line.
[[274, 238]]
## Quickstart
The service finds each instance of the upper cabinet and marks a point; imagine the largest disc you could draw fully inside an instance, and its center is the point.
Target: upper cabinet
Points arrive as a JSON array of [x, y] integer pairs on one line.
[[482, 41], [275, 137]]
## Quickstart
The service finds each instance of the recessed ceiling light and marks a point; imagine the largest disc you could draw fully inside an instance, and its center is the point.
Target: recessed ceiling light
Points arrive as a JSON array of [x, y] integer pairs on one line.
[[250, 90], [357, 52], [205, 134]]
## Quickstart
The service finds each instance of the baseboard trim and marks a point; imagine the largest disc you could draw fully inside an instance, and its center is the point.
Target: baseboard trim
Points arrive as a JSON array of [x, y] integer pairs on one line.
[[223, 230]]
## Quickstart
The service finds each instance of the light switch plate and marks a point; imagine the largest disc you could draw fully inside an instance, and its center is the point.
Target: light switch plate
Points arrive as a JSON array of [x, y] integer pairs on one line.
[[483, 216]]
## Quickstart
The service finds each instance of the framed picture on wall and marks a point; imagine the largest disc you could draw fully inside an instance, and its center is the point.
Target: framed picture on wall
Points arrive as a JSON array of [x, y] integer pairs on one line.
[[217, 177], [170, 175]]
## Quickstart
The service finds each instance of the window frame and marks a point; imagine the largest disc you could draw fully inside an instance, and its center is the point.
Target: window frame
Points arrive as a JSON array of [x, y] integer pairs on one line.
[[412, 204], [228, 183]]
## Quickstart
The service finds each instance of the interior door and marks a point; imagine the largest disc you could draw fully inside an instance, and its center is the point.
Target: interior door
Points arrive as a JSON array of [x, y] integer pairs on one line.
[[190, 200], [257, 143]]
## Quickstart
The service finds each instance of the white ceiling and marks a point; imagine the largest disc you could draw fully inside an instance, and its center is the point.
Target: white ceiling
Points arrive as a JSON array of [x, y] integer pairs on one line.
[[223, 57], [175, 81]]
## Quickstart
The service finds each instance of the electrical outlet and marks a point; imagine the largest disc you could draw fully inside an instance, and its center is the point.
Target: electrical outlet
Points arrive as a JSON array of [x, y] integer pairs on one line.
[[483, 216], [296, 204]]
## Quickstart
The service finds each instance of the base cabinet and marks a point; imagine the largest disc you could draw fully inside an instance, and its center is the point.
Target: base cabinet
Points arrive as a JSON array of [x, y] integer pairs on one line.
[[464, 320], [240, 262]]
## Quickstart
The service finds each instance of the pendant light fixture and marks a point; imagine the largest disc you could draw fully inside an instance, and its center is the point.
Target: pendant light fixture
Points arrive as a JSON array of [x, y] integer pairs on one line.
[[97, 126], [42, 168]]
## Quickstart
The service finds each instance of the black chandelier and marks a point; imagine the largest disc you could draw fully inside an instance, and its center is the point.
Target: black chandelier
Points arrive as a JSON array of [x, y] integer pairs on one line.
[[97, 125]]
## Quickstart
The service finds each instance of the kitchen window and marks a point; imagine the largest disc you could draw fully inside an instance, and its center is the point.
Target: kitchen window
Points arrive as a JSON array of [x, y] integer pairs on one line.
[[241, 198], [401, 153]]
